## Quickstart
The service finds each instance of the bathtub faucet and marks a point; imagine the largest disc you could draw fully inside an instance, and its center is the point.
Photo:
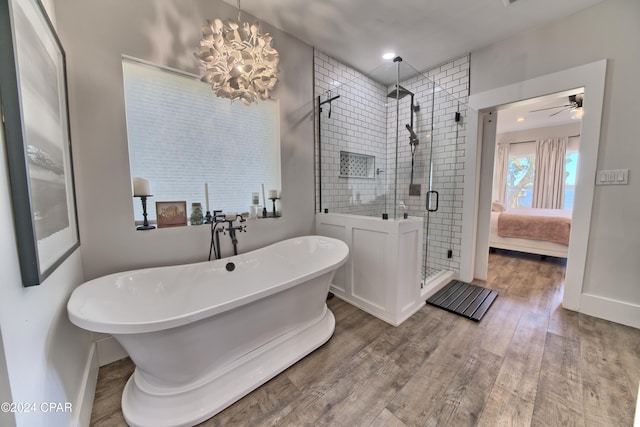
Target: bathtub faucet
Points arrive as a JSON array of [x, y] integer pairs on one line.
[[232, 229], [218, 216], [219, 220], [234, 239]]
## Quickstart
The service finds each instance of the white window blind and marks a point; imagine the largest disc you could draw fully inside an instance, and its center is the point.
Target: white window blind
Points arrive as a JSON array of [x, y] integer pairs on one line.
[[182, 136]]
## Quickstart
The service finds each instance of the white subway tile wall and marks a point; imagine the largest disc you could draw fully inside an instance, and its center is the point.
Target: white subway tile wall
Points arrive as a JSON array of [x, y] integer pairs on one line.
[[363, 121], [357, 125]]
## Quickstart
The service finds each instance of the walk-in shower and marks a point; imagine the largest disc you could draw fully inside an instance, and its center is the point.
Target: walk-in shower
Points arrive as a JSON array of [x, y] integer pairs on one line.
[[397, 93], [393, 145]]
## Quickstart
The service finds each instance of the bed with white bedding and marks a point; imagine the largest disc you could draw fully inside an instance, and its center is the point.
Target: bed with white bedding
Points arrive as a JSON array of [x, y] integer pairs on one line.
[[536, 231]]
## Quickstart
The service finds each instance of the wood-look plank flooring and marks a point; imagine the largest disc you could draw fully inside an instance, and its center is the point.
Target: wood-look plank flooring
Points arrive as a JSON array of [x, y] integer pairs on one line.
[[529, 362]]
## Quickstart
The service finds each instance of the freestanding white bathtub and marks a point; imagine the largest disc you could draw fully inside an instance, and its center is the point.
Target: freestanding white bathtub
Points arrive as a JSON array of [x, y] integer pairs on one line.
[[202, 336]]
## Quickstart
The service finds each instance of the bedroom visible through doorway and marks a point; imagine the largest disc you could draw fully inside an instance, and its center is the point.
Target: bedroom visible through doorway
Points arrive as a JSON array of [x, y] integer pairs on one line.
[[534, 176], [479, 176]]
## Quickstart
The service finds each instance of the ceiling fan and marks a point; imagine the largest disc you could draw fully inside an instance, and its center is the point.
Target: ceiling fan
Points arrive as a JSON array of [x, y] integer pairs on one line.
[[575, 102]]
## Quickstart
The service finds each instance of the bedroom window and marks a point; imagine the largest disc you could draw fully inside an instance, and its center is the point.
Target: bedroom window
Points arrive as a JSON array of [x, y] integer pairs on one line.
[[571, 167], [520, 174]]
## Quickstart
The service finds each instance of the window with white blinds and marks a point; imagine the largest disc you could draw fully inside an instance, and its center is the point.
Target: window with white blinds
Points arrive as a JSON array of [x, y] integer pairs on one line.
[[182, 136]]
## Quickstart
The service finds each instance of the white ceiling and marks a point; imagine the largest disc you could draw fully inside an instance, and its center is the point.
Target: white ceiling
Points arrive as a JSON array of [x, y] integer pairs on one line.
[[425, 33], [553, 112]]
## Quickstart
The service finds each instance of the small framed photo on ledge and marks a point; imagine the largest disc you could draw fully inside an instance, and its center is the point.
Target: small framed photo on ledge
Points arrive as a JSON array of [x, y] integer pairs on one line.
[[171, 214]]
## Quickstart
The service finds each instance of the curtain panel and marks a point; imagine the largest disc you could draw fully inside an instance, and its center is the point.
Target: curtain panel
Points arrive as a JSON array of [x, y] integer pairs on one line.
[[548, 187], [501, 167]]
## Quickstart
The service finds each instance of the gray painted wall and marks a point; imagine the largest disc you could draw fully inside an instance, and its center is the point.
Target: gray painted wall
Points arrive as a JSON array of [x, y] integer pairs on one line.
[[96, 34], [43, 356], [6, 418]]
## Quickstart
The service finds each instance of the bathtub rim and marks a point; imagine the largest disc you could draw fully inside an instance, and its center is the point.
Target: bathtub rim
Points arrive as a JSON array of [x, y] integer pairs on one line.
[[132, 327]]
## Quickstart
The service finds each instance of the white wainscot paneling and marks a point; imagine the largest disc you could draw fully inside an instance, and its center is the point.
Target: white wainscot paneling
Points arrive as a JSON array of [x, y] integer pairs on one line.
[[369, 266], [382, 276]]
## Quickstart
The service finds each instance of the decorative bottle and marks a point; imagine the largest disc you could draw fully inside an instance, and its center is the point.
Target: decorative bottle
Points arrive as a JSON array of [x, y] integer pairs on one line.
[[196, 214]]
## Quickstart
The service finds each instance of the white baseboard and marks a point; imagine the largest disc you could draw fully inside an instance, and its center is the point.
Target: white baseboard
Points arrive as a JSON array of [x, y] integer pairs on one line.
[[109, 350], [82, 417], [612, 310]]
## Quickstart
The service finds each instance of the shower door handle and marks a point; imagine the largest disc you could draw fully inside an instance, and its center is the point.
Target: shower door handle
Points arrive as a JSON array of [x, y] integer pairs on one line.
[[430, 194]]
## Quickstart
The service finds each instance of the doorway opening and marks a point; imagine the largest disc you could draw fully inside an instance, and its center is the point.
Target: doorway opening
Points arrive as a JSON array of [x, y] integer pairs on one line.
[[591, 77], [535, 164]]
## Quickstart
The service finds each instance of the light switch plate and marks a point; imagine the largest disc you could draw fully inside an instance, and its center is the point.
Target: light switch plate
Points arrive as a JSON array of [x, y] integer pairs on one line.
[[613, 177]]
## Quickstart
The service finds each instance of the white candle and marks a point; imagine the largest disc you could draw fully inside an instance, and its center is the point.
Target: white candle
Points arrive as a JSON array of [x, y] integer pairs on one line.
[[273, 194], [206, 195], [264, 199], [141, 187]]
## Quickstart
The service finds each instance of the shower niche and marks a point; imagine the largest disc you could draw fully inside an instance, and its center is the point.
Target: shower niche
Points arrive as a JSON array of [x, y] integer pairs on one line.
[[354, 165], [390, 153]]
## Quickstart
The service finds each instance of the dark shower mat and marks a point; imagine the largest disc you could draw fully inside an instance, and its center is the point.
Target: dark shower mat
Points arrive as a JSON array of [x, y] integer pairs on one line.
[[464, 299]]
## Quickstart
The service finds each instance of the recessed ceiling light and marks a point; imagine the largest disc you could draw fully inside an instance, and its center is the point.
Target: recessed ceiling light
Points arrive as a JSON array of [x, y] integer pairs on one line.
[[389, 55], [520, 119]]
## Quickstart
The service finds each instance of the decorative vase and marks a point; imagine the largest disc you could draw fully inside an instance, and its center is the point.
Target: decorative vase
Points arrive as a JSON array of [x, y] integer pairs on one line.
[[196, 214]]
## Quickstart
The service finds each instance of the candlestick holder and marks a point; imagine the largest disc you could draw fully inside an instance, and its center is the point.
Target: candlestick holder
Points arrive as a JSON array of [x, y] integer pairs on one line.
[[145, 225], [273, 199]]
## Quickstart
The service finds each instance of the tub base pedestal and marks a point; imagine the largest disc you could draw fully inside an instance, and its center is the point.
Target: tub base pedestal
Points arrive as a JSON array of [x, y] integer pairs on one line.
[[235, 380]]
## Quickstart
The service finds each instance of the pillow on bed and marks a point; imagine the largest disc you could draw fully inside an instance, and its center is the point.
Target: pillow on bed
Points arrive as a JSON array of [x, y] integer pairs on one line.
[[497, 207]]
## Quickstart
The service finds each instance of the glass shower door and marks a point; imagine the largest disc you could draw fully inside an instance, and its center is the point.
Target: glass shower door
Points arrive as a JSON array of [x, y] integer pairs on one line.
[[443, 182]]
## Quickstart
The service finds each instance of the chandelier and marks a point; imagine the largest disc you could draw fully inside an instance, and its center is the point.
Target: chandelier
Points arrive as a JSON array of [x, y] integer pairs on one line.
[[239, 61]]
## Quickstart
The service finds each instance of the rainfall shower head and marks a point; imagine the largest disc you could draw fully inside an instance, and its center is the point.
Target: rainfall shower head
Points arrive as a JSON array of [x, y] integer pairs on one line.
[[399, 93]]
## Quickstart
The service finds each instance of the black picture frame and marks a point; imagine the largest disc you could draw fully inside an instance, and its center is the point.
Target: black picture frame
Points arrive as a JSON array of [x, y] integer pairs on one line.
[[33, 92]]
